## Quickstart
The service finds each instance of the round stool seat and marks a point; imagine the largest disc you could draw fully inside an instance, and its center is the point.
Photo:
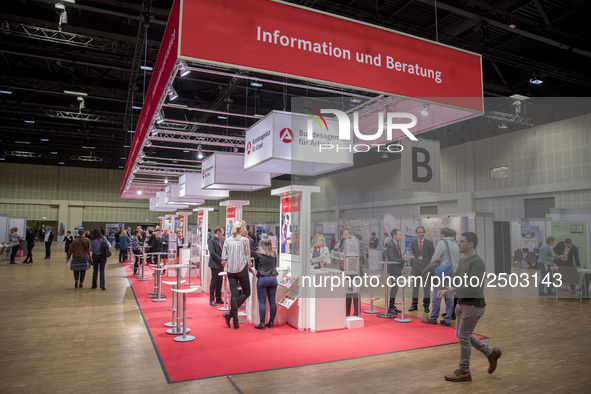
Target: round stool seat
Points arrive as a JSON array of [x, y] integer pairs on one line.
[[168, 282]]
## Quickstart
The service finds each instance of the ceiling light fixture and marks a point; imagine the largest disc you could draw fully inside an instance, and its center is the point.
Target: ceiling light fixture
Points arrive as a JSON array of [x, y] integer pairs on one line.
[[148, 143], [45, 139], [535, 80], [425, 109], [61, 162], [136, 107], [5, 91], [74, 93], [131, 131], [199, 153], [183, 68], [165, 179], [256, 84], [54, 153], [139, 192], [158, 118], [146, 68], [355, 100], [186, 151], [30, 120], [222, 117], [172, 94]]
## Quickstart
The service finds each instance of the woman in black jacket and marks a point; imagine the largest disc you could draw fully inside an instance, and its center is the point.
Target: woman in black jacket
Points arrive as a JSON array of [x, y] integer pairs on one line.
[[30, 237], [265, 262]]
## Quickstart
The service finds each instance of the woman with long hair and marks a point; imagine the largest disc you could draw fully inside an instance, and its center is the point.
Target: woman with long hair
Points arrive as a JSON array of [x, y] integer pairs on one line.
[[236, 259], [15, 241], [124, 241], [98, 246], [319, 253], [80, 253], [265, 263]]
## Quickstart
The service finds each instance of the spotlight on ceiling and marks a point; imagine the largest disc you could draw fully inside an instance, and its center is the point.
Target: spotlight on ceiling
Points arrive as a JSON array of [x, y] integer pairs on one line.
[[139, 192], [158, 118], [536, 80], [183, 68], [425, 109], [148, 143], [172, 94], [199, 153], [165, 179]]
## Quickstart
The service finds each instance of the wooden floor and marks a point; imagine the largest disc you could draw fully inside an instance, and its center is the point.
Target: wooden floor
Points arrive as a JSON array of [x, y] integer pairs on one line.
[[57, 339]]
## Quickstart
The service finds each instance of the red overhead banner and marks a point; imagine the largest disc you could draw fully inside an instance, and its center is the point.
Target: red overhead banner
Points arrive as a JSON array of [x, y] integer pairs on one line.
[[166, 61], [284, 39]]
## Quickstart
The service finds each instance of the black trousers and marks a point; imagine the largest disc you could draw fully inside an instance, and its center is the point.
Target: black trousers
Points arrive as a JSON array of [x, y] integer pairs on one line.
[[426, 295], [13, 253], [215, 285], [48, 249], [236, 300], [29, 253]]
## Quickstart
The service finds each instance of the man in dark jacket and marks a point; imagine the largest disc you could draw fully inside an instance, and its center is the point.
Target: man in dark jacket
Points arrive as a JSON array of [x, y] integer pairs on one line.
[[394, 253], [567, 254], [215, 246], [422, 251]]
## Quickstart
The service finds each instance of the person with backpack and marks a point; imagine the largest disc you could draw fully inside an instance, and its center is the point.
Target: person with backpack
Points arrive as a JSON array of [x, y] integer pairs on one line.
[[100, 248]]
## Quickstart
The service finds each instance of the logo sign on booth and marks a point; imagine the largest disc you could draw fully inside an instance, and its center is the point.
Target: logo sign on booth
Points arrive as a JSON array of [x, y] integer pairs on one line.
[[420, 166], [289, 143], [182, 222], [230, 212], [200, 216], [290, 220], [295, 41]]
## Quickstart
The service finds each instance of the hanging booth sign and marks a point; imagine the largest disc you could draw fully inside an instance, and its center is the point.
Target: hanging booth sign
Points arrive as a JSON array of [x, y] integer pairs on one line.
[[421, 166], [190, 186], [225, 171], [292, 143], [158, 204], [290, 222], [171, 196]]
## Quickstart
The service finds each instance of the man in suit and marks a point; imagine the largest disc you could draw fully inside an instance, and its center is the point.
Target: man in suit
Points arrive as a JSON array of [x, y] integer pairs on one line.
[[394, 253], [567, 254], [422, 251], [48, 238], [215, 246]]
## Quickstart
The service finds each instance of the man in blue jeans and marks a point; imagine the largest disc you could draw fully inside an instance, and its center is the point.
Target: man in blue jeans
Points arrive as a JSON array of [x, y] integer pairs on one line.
[[470, 309]]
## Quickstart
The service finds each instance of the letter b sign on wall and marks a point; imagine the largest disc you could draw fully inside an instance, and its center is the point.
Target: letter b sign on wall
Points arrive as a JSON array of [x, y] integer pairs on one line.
[[420, 166]]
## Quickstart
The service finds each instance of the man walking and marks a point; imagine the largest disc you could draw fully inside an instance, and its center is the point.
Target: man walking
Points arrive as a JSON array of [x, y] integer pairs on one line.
[[470, 309]]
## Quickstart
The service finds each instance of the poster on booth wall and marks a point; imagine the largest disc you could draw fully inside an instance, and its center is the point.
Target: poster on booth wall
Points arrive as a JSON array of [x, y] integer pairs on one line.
[[290, 221], [230, 219], [530, 238]]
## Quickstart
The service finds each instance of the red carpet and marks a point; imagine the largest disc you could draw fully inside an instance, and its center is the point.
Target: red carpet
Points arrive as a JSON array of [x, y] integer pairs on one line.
[[218, 350]]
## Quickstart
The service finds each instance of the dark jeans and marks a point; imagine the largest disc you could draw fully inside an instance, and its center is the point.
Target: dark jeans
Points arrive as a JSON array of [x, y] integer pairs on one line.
[[122, 255], [13, 253], [215, 285], [29, 253], [235, 300], [98, 263], [266, 289], [48, 249], [79, 275]]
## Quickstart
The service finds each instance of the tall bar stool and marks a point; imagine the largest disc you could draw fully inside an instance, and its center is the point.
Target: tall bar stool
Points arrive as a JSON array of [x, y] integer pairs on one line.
[[226, 287], [371, 297], [184, 337], [174, 309], [143, 264]]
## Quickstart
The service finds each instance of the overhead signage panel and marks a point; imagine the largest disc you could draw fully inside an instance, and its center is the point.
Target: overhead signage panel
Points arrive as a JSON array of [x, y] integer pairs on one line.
[[171, 197], [285, 39], [225, 171], [292, 143], [190, 186]]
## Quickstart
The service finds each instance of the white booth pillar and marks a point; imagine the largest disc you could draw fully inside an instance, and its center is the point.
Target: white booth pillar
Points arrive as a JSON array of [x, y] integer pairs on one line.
[[202, 226], [184, 254]]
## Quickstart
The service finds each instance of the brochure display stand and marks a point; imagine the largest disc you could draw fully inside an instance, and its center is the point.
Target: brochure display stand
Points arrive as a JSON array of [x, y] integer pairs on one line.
[[306, 307]]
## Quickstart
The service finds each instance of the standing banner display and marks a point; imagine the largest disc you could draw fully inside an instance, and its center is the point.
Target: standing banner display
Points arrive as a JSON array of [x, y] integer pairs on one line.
[[421, 166], [290, 221]]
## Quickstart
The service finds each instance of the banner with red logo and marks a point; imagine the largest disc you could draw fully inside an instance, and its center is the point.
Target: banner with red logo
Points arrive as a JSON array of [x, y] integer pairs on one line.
[[290, 220], [200, 216], [286, 39], [230, 212]]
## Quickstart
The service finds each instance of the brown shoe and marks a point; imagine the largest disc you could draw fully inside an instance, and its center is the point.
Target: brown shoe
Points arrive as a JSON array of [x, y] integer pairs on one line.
[[492, 359], [444, 323], [429, 321], [458, 376]]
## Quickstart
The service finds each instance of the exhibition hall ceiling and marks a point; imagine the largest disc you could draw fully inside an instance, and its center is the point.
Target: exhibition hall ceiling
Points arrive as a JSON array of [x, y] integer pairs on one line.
[[74, 75]]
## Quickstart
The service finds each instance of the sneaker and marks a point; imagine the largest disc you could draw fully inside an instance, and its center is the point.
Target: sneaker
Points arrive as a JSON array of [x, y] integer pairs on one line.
[[458, 376]]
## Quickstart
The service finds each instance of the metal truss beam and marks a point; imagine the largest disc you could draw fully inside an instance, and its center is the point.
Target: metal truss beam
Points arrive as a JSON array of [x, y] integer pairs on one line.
[[505, 117], [186, 122], [79, 116], [198, 138]]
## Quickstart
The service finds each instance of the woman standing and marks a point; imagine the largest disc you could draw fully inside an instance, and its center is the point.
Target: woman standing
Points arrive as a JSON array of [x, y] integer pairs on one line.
[[80, 253], [319, 253], [265, 262], [15, 240], [136, 250], [68, 241], [30, 237], [124, 241], [236, 258], [98, 246]]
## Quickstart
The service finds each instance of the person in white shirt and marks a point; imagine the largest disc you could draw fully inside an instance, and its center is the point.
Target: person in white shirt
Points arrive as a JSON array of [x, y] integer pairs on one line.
[[48, 240]]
